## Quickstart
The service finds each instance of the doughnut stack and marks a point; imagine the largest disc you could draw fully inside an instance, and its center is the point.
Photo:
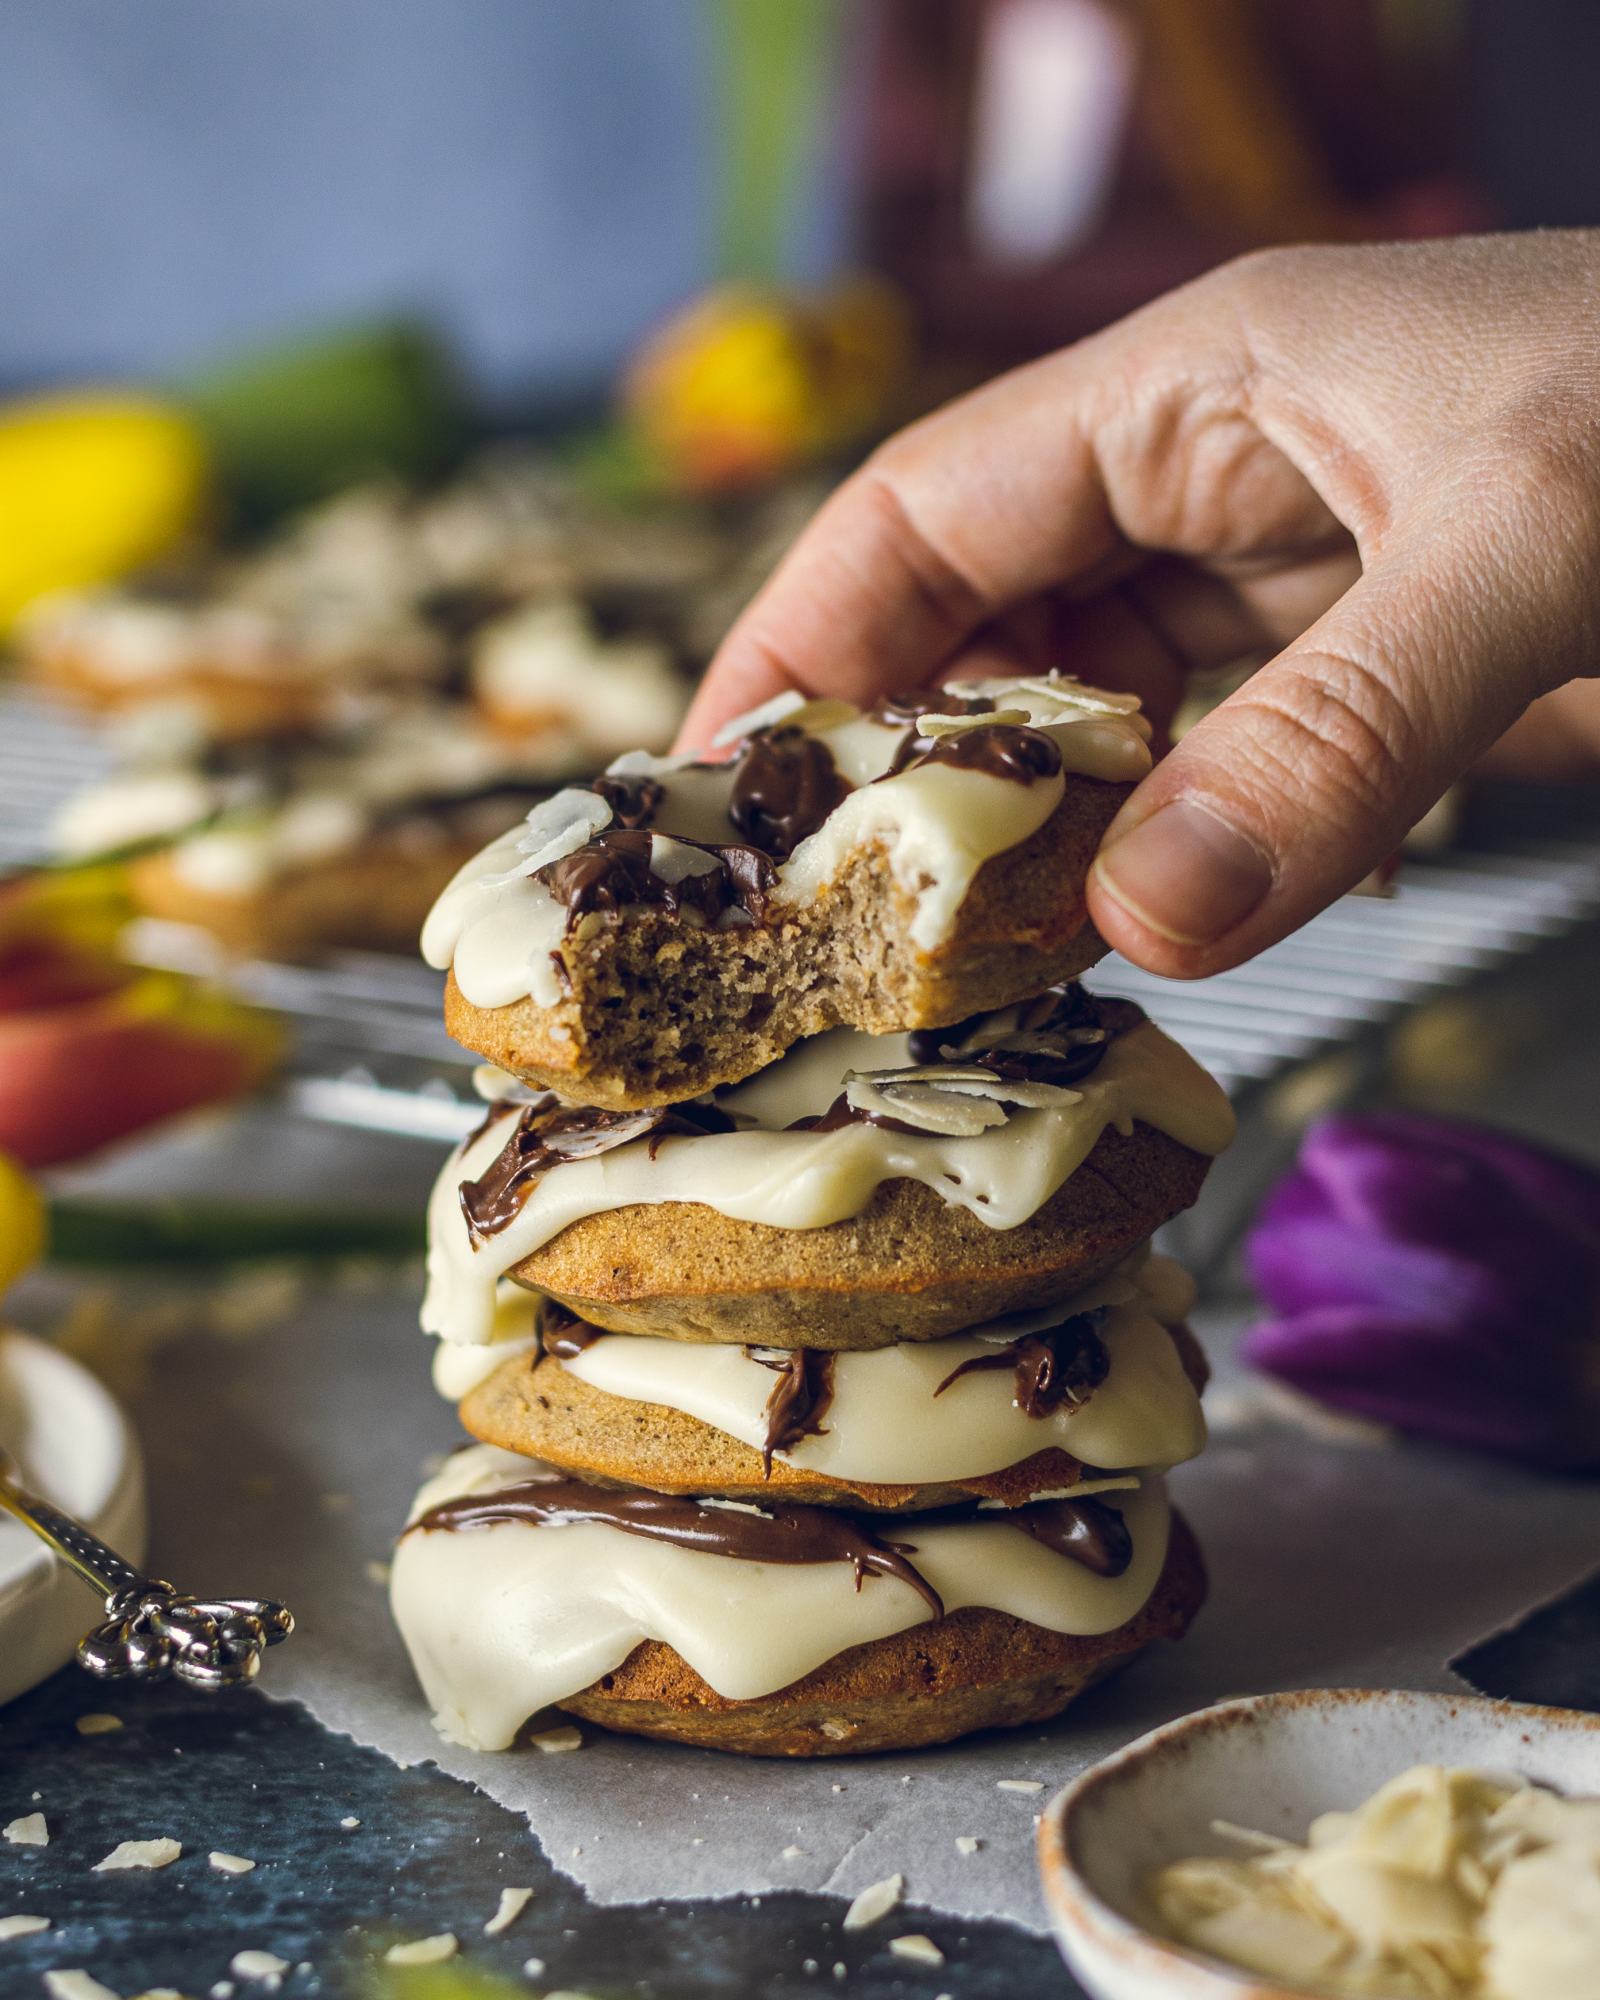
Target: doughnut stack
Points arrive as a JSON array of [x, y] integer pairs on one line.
[[822, 1376]]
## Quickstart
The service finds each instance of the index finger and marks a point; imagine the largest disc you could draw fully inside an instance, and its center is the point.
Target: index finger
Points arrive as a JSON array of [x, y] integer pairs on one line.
[[985, 503]]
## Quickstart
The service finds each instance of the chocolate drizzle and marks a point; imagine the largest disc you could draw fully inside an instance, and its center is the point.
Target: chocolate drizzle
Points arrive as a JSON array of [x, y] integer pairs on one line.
[[799, 1399], [1085, 1531], [1000, 749], [563, 1334], [773, 1534], [634, 799], [899, 709], [613, 872], [785, 784], [551, 1134], [1060, 1364], [1085, 1024]]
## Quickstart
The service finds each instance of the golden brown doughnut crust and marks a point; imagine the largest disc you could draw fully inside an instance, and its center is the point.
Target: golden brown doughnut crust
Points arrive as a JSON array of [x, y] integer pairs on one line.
[[658, 1010], [972, 1670], [535, 1406], [909, 1267]]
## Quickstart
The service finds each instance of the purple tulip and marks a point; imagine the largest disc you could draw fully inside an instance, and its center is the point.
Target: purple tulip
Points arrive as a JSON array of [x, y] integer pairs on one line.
[[1440, 1277]]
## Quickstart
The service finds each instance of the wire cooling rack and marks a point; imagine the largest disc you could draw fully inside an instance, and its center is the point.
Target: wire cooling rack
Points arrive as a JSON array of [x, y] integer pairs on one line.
[[370, 1049]]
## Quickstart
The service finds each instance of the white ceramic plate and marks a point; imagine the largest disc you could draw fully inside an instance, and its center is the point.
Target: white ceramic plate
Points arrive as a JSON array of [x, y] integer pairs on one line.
[[1272, 1762], [74, 1446]]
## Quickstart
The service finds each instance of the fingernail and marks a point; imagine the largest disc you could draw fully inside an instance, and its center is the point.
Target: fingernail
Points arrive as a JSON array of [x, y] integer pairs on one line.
[[1185, 873]]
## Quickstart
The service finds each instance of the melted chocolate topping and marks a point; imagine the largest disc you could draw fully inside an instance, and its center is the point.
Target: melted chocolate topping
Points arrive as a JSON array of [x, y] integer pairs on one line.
[[1087, 1531], [910, 707], [785, 785], [634, 801], [777, 1534], [1087, 1025], [549, 1134], [799, 1399], [563, 1334], [1061, 1364], [612, 873], [1002, 749]]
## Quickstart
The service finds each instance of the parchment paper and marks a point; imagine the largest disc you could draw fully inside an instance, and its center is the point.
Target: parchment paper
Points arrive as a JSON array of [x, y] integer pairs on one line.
[[285, 1432]]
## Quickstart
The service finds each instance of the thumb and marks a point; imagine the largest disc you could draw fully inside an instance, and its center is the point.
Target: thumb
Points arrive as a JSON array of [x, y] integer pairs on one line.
[[1314, 771]]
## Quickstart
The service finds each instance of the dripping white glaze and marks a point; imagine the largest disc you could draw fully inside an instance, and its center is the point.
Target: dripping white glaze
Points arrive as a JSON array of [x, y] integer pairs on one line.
[[809, 1180], [886, 1425], [501, 1621]]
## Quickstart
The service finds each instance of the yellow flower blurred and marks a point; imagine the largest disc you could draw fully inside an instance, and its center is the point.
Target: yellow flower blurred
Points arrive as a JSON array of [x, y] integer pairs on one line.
[[92, 484], [22, 1222]]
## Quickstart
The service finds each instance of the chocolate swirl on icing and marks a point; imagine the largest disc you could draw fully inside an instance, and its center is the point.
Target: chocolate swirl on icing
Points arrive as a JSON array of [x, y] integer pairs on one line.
[[634, 799], [1084, 1024], [774, 1534], [1060, 1364], [550, 1134], [563, 1334], [799, 1399], [613, 872], [898, 709], [1001, 749], [785, 784], [1086, 1531]]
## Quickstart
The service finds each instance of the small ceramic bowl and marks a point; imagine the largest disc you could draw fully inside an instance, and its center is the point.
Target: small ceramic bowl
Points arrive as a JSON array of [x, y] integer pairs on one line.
[[1271, 1762], [73, 1445]]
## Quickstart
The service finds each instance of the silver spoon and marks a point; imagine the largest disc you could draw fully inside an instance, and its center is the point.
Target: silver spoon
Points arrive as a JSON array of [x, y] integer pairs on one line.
[[151, 1629]]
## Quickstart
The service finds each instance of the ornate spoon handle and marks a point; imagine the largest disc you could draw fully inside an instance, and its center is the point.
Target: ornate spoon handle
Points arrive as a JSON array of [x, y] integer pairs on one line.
[[151, 1629]]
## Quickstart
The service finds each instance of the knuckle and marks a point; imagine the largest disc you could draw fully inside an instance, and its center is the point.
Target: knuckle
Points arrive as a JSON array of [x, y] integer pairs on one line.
[[888, 528], [1336, 737]]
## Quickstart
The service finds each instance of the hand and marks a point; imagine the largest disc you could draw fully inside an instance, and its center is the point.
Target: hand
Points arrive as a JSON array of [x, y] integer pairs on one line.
[[1383, 461]]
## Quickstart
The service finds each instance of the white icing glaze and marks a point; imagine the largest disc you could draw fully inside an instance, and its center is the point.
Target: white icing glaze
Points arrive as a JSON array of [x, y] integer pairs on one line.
[[886, 1425], [458, 1369], [939, 824], [501, 1621], [807, 1180]]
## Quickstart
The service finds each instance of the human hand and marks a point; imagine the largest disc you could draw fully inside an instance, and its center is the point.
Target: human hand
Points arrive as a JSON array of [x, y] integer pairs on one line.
[[1383, 461]]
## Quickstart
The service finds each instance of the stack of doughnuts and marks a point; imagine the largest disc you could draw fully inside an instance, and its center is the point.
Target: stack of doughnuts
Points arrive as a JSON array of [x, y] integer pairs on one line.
[[797, 1285]]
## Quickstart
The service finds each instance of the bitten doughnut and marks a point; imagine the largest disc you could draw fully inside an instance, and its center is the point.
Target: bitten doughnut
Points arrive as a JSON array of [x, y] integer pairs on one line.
[[678, 925]]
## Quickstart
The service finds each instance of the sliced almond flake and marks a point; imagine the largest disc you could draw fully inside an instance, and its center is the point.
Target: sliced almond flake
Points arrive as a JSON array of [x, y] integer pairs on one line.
[[672, 860], [15, 1927], [424, 1951], [874, 1903], [349, 1822], [953, 725], [229, 1864], [735, 1507], [97, 1724], [921, 1950], [1019, 1785], [553, 1740], [512, 1904], [29, 1831], [941, 1112], [559, 826], [158, 1853], [794, 1854], [789, 710], [75, 1984], [966, 1843], [257, 1965]]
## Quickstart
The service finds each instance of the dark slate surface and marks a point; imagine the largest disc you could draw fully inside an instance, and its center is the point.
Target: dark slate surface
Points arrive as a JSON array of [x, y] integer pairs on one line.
[[260, 1779], [1551, 1656]]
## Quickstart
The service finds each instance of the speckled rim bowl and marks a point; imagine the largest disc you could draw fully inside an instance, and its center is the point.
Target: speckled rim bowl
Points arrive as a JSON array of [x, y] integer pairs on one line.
[[1271, 1762]]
